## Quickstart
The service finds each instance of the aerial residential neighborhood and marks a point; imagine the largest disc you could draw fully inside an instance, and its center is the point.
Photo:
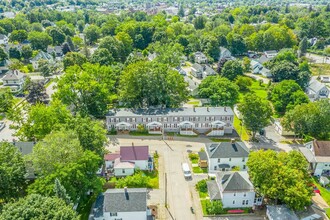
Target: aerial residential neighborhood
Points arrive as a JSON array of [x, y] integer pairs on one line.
[[169, 110]]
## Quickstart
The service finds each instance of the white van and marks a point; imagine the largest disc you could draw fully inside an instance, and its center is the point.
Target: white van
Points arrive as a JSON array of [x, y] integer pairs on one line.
[[186, 171]]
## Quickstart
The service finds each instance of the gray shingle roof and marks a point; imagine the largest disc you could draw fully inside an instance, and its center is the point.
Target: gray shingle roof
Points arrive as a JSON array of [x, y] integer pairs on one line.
[[227, 150], [13, 75], [197, 67], [42, 55], [24, 147], [315, 85], [213, 190], [281, 212], [234, 181], [202, 155], [172, 111], [115, 200]]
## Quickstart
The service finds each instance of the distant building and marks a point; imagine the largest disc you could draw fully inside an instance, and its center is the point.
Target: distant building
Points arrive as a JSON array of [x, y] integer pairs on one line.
[[271, 53], [224, 156], [41, 56], [123, 204], [3, 39], [234, 189], [14, 79], [258, 68], [208, 71], [210, 121], [224, 53], [317, 90], [200, 58], [197, 70]]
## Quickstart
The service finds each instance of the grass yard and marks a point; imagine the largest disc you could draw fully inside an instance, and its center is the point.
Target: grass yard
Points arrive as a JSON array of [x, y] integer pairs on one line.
[[324, 192], [203, 203], [259, 90], [320, 69], [327, 211], [136, 133], [199, 170], [241, 130]]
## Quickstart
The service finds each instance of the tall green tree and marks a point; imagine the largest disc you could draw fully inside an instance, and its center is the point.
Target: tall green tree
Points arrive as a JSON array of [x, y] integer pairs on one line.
[[26, 52], [145, 84], [256, 113], [219, 90], [232, 69], [281, 177], [74, 58], [12, 172], [92, 33], [39, 40], [38, 207], [88, 89], [18, 35], [6, 100], [57, 149], [286, 95], [303, 45], [3, 54], [60, 192]]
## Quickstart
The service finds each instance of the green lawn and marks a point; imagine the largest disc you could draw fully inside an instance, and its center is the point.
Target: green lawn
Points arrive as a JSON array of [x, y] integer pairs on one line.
[[241, 129], [203, 202], [327, 211], [259, 90], [199, 170], [324, 192], [136, 133]]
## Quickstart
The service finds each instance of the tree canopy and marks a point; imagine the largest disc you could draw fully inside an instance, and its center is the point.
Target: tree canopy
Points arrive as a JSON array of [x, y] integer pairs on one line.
[[232, 69], [281, 177], [12, 172], [219, 90], [38, 207]]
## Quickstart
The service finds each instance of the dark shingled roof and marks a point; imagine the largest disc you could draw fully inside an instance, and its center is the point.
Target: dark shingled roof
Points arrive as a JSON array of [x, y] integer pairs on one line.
[[134, 153], [115, 200], [322, 148], [234, 181], [227, 150], [202, 155]]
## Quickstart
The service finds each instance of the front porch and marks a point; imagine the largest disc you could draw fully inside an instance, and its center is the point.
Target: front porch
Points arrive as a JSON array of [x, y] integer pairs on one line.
[[155, 127], [217, 129], [123, 127], [187, 128]]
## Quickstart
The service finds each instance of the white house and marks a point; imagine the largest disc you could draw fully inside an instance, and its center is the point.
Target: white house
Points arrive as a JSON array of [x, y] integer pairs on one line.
[[234, 189], [200, 58], [129, 158], [197, 70], [270, 53], [317, 154], [123, 204], [226, 155], [3, 39], [39, 56], [224, 53], [208, 71], [258, 68], [14, 79], [317, 90]]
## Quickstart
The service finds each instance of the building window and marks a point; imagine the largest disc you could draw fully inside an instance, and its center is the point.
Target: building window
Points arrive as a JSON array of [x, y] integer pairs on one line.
[[181, 118], [215, 167], [207, 119], [247, 202], [244, 194], [165, 119], [113, 213], [244, 167], [243, 160], [123, 171], [229, 159], [175, 119], [197, 118], [243, 202], [133, 119], [233, 202], [219, 160], [255, 200], [234, 194]]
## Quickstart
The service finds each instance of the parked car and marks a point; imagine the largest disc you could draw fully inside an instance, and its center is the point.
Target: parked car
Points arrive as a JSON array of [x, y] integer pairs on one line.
[[2, 125]]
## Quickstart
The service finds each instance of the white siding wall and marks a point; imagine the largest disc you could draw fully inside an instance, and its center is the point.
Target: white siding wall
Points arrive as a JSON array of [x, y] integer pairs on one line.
[[234, 162], [142, 164], [126, 216], [128, 172], [320, 167], [235, 200], [108, 164]]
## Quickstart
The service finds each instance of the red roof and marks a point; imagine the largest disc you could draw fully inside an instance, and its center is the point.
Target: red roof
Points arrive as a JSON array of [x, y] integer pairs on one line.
[[235, 211], [128, 153], [112, 156]]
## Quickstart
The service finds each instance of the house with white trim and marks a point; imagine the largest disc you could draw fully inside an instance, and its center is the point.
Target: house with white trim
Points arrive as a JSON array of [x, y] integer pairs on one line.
[[317, 90], [317, 153], [234, 189], [14, 79], [210, 121], [224, 156]]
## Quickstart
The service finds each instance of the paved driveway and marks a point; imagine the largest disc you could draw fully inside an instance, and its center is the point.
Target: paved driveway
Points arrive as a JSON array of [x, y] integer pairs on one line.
[[7, 134]]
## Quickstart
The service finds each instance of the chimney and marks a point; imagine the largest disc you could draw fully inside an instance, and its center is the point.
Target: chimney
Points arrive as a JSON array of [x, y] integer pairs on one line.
[[126, 193], [194, 109], [207, 108], [225, 108]]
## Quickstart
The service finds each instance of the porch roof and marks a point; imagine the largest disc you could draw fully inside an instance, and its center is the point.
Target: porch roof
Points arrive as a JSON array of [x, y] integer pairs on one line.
[[154, 123], [185, 123], [123, 124]]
